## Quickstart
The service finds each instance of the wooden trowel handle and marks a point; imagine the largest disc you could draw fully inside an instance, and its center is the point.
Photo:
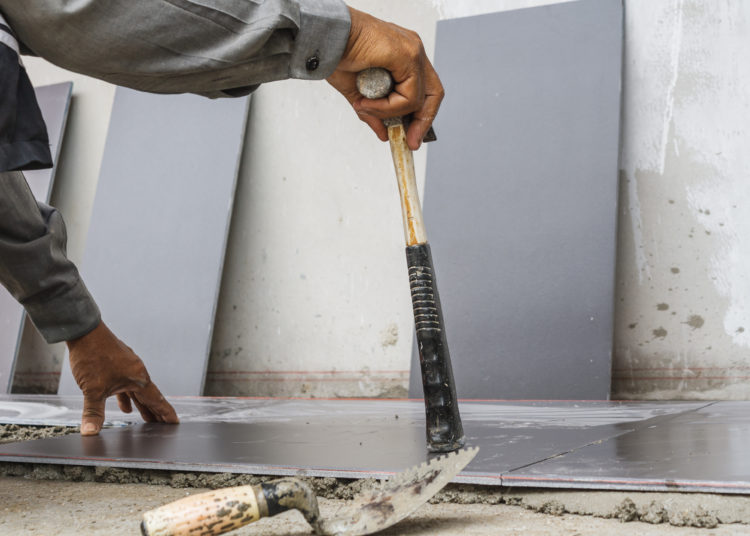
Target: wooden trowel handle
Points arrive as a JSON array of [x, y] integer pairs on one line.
[[219, 511]]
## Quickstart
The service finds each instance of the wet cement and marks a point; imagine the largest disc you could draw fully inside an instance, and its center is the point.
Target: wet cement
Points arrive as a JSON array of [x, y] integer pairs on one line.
[[10, 433], [698, 510]]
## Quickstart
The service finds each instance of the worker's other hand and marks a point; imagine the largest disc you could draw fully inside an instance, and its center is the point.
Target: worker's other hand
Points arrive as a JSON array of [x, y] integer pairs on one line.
[[104, 366], [376, 43]]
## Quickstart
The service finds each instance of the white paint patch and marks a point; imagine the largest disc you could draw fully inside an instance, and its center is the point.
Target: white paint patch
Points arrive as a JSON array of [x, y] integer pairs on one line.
[[636, 223], [675, 64], [713, 125], [648, 103], [651, 56]]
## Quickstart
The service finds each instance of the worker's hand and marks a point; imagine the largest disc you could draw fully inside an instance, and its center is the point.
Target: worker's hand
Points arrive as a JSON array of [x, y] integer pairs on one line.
[[104, 366], [375, 43]]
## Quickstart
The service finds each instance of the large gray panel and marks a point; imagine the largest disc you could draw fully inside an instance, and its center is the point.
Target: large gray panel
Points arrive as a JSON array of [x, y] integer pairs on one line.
[[521, 199], [53, 101], [155, 249]]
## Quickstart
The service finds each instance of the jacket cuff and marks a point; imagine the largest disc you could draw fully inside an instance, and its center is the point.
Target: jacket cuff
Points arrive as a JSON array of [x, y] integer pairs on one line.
[[321, 40], [68, 315]]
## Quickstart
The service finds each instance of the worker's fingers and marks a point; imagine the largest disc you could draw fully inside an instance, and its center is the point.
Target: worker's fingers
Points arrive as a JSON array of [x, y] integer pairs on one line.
[[395, 105], [423, 118], [144, 410], [408, 95], [93, 414], [103, 366], [376, 124], [123, 400], [376, 43], [153, 406]]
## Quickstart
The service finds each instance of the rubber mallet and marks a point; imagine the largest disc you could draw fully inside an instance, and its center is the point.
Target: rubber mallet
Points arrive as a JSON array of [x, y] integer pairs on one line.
[[444, 430]]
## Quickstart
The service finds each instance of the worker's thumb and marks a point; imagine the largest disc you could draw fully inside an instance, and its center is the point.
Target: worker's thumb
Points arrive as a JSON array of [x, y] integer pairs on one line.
[[93, 415]]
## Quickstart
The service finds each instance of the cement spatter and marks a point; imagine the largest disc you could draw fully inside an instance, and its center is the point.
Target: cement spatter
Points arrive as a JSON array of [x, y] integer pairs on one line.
[[10, 433], [695, 321], [660, 333]]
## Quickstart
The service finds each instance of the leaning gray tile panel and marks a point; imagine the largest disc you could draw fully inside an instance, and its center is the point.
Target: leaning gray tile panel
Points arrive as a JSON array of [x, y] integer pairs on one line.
[[327, 437], [521, 199], [11, 315], [54, 102], [157, 237], [701, 450]]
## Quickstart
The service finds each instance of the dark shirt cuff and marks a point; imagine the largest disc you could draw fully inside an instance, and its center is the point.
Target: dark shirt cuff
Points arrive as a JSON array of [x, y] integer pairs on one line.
[[25, 155]]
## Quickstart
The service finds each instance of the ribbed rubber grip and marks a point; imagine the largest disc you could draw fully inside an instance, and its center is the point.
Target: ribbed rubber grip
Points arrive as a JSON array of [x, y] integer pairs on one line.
[[444, 429]]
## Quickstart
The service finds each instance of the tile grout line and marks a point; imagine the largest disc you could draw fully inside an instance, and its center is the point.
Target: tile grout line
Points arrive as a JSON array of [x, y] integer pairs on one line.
[[638, 426]]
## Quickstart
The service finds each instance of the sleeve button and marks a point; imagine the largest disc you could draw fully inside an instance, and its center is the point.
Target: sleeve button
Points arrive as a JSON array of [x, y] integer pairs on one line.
[[312, 63]]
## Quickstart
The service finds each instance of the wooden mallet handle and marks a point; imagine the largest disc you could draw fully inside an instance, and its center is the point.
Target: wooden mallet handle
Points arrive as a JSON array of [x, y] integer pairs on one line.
[[377, 83]]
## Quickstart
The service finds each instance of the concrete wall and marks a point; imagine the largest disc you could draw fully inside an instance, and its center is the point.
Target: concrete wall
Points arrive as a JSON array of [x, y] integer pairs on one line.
[[314, 300], [683, 323]]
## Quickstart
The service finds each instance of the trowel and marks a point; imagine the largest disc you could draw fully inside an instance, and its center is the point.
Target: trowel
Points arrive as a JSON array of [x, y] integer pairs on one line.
[[374, 509]]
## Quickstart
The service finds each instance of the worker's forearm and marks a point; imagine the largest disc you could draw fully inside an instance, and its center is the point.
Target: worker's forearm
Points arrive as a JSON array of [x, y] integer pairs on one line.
[[34, 268], [212, 47]]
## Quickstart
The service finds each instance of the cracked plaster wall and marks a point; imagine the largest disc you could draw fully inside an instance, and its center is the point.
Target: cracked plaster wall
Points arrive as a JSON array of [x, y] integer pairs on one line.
[[314, 300]]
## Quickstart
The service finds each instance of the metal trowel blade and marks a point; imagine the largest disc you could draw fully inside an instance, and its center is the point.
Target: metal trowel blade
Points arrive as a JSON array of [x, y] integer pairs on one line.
[[378, 508]]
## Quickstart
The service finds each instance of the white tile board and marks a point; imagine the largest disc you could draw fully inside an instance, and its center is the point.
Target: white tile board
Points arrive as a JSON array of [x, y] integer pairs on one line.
[[155, 249], [521, 199], [54, 102]]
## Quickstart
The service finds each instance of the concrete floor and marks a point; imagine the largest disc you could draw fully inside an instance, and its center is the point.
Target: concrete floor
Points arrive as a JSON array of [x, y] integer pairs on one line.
[[31, 506], [75, 508]]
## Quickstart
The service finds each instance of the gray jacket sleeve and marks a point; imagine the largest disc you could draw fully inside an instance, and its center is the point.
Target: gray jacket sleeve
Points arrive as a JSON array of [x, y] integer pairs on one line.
[[34, 267], [210, 47], [214, 48]]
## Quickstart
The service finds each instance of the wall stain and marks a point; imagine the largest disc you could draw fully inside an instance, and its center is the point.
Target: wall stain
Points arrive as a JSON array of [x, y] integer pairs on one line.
[[674, 270], [695, 321], [659, 333], [662, 306], [389, 336]]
